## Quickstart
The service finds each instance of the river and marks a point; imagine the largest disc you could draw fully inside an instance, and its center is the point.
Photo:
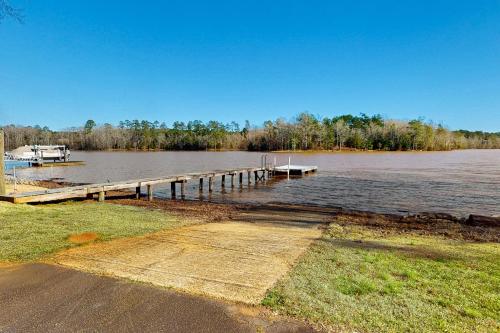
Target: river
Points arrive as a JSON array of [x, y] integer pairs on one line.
[[456, 182]]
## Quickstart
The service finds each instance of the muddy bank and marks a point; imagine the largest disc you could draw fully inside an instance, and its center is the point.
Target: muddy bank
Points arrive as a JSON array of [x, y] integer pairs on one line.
[[210, 212], [474, 228], [51, 183]]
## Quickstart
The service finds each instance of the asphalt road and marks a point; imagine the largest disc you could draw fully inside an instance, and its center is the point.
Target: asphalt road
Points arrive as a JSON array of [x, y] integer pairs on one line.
[[48, 298]]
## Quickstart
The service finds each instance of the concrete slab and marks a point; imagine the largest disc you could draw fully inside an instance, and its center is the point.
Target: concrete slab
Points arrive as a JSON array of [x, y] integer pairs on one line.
[[236, 261]]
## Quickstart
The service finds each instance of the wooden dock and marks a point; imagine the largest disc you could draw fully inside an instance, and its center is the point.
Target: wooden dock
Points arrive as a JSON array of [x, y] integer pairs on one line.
[[55, 164], [88, 191], [100, 190]]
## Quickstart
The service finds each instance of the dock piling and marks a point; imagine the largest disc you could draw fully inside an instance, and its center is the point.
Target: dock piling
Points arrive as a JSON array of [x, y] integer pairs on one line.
[[288, 170], [201, 185], [172, 190], [232, 180], [210, 184], [183, 188], [223, 181], [241, 178], [138, 192], [101, 196], [150, 192]]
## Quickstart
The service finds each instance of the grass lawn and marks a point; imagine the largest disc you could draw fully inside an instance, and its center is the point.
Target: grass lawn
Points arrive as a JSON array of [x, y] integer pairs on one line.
[[368, 280], [30, 232]]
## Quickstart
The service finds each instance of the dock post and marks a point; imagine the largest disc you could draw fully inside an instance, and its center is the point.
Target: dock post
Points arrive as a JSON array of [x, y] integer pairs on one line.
[[138, 192], [150, 192], [256, 176], [241, 178], [172, 190], [223, 181], [210, 183], [249, 176], [65, 154], [101, 196], [232, 180], [2, 172], [183, 188], [288, 170], [201, 185]]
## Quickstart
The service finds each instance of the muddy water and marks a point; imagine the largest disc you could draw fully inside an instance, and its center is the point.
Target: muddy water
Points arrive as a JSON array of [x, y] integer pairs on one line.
[[457, 182]]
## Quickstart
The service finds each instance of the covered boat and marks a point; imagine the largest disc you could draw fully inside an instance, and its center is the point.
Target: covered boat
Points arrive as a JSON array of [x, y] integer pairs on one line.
[[36, 152]]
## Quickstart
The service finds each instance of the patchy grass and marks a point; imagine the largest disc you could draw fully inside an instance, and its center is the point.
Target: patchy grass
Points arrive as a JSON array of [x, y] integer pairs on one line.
[[364, 280], [30, 232]]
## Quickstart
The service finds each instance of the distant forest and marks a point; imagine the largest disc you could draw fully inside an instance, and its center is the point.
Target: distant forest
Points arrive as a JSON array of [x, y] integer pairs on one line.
[[304, 132]]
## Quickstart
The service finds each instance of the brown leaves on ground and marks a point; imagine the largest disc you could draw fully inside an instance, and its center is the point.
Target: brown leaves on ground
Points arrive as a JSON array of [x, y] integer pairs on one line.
[[385, 225], [83, 238], [210, 212]]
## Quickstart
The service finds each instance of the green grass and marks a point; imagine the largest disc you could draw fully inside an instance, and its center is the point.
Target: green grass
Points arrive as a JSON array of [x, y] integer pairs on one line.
[[30, 232], [357, 279]]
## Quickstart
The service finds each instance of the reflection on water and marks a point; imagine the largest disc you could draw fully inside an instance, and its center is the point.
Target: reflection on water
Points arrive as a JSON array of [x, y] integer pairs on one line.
[[458, 182]]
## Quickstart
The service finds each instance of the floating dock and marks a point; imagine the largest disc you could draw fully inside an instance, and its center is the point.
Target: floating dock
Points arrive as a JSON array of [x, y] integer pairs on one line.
[[294, 169]]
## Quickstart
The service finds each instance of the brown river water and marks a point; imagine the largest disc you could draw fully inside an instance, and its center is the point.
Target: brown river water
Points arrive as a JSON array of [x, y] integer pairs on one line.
[[456, 182]]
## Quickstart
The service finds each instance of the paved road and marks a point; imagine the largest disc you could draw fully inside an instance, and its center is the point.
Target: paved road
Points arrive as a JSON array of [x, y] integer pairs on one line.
[[48, 298]]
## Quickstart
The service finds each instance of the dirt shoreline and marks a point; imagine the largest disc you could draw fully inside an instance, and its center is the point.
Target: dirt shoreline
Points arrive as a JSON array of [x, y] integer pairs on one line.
[[474, 227], [481, 230]]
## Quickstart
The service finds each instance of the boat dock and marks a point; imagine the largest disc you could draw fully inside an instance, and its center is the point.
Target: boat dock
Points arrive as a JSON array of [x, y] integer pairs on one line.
[[100, 190]]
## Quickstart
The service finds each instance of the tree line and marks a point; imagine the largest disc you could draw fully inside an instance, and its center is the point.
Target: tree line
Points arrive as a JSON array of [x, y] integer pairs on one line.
[[304, 132]]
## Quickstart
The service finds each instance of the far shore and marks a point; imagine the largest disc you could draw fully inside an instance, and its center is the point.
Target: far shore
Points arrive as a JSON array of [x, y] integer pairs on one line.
[[297, 151]]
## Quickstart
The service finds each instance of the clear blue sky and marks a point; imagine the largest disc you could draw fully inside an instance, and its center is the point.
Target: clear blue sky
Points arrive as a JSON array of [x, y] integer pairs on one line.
[[235, 60]]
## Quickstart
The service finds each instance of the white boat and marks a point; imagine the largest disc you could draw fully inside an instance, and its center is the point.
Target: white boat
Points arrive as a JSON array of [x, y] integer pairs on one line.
[[36, 152]]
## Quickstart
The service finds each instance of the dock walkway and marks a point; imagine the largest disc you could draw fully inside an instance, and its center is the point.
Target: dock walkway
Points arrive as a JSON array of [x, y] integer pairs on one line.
[[88, 191]]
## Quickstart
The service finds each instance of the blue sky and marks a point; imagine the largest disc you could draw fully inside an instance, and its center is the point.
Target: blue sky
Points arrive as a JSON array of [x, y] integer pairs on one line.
[[257, 60]]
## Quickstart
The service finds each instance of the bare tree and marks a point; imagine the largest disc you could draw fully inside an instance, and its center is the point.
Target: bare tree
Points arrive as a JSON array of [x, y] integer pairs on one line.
[[7, 10]]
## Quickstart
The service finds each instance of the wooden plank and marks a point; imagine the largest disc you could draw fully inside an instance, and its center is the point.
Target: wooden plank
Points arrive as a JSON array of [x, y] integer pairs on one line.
[[51, 197], [159, 181]]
